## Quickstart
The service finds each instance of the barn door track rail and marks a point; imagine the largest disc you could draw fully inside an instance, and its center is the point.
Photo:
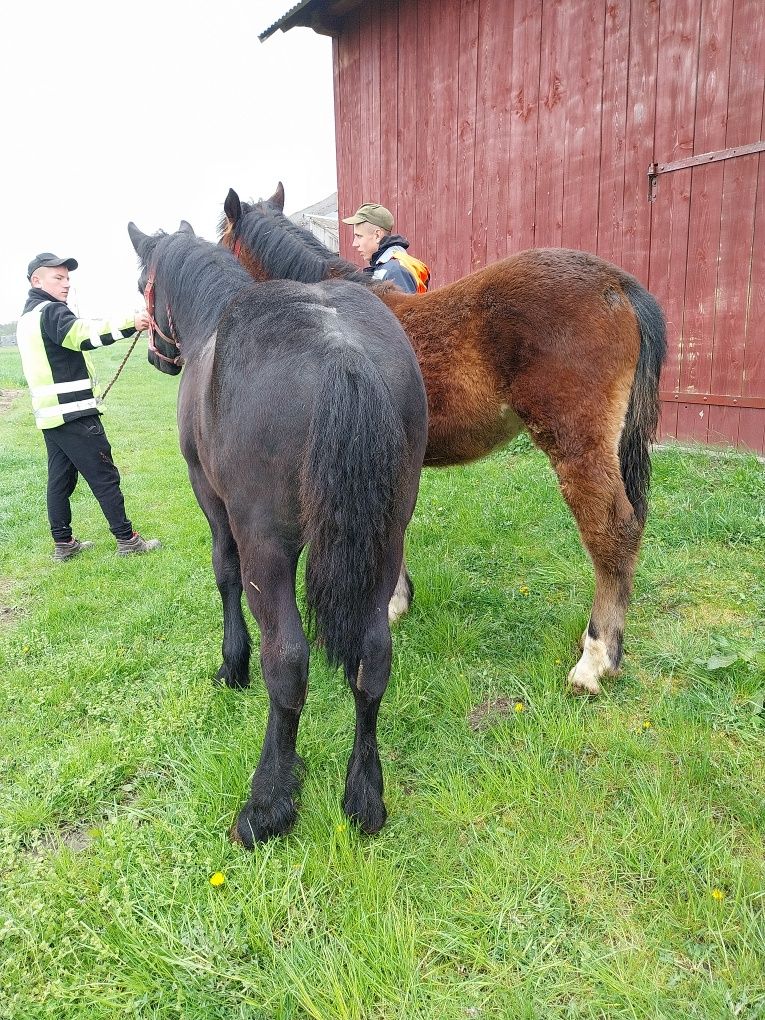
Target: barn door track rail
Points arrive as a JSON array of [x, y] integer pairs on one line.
[[706, 157]]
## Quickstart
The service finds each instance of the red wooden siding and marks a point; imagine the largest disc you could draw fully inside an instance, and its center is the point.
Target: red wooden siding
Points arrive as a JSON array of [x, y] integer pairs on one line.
[[489, 126]]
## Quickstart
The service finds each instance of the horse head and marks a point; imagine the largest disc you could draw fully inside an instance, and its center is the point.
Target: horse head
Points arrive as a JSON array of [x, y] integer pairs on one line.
[[164, 349], [271, 246]]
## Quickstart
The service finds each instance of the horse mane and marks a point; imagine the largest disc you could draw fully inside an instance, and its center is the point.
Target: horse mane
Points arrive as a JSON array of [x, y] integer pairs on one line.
[[205, 277], [288, 251]]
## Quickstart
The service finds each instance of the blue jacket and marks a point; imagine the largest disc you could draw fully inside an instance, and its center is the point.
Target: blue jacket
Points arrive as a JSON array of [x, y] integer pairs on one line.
[[385, 266]]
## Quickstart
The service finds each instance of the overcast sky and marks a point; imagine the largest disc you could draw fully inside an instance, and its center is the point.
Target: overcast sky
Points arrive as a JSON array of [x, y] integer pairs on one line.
[[148, 111]]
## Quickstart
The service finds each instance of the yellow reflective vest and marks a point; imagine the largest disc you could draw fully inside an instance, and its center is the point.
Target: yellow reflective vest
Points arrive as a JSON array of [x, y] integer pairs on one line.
[[53, 346]]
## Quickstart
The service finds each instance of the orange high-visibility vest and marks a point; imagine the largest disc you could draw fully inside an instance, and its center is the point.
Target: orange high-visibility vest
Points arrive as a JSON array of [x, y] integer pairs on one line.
[[418, 269]]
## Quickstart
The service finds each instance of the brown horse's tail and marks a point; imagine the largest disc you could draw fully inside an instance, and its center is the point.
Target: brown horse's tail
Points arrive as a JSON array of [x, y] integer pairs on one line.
[[642, 419], [355, 466]]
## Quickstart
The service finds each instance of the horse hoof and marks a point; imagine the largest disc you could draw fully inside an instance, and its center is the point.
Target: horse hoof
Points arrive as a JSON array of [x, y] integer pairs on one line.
[[257, 825], [397, 607], [581, 683], [401, 599], [369, 817], [234, 681]]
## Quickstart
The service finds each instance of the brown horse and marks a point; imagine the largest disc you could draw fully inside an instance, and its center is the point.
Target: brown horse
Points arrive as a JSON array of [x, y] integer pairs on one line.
[[557, 342]]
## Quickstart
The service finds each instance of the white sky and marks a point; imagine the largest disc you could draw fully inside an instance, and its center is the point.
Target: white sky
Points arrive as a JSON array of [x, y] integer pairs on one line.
[[148, 111]]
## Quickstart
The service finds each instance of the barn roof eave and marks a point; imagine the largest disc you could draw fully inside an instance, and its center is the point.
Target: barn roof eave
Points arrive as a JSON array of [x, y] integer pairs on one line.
[[323, 16]]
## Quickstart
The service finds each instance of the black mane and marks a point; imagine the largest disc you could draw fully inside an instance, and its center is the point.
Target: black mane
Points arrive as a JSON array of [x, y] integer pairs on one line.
[[203, 277], [286, 250]]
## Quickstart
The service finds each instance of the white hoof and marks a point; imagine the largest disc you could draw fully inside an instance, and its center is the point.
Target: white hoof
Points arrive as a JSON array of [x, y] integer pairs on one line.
[[585, 676], [582, 683], [397, 607], [399, 603]]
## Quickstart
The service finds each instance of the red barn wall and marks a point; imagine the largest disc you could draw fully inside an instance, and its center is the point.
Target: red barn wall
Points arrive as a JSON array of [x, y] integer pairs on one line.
[[489, 126]]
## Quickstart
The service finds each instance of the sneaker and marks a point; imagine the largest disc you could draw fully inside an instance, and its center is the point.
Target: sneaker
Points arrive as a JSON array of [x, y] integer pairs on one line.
[[136, 544], [66, 550]]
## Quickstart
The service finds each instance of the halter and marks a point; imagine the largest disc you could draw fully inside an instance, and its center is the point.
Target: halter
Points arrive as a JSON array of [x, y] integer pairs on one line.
[[154, 328]]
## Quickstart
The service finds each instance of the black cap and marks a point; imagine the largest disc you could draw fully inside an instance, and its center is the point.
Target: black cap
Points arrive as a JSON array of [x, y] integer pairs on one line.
[[47, 258]]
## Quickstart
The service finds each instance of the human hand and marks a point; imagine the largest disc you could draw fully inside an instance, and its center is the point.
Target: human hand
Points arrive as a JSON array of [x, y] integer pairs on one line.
[[141, 320]]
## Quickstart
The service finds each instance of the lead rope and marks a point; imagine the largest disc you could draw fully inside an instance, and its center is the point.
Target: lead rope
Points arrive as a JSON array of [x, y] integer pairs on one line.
[[124, 362]]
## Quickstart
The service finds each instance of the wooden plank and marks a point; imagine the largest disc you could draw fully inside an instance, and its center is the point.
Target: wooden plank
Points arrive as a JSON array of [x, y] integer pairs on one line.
[[483, 129], [350, 189], [747, 80], [639, 148], [581, 162], [496, 15], [522, 163], [554, 97], [467, 83], [371, 99], [367, 132], [675, 111], [752, 423], [406, 220], [428, 142], [614, 133], [704, 215], [340, 164], [444, 41], [389, 97]]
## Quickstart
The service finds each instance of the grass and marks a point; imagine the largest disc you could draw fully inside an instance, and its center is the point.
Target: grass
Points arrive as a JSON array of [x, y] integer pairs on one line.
[[545, 857]]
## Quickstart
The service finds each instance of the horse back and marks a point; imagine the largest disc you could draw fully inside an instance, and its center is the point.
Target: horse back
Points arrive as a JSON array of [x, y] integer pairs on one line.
[[256, 385], [517, 344]]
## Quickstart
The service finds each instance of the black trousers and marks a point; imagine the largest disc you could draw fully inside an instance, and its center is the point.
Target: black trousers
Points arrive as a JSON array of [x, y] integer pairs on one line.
[[80, 447]]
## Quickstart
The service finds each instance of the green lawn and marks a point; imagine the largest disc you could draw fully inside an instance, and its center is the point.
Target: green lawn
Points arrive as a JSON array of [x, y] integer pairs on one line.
[[545, 857]]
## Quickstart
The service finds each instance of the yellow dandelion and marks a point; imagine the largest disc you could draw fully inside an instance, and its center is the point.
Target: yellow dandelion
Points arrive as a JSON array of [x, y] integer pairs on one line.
[[557, 662], [519, 706], [647, 724], [718, 894], [341, 827], [217, 879]]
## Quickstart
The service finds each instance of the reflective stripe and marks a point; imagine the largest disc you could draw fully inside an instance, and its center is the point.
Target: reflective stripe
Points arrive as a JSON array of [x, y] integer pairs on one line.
[[95, 338], [117, 335], [61, 387], [57, 410]]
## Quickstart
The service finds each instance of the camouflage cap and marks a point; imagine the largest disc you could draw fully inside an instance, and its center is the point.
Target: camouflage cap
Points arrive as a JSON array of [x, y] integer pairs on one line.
[[372, 213]]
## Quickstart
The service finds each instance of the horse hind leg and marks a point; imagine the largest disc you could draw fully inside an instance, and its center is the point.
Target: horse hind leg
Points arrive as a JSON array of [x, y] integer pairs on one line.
[[610, 531], [363, 799], [270, 587]]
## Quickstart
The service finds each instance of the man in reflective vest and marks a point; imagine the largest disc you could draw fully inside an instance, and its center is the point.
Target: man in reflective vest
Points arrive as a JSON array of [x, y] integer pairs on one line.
[[385, 252], [67, 403]]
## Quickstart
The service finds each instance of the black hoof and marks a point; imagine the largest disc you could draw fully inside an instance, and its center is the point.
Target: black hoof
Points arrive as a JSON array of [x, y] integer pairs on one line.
[[368, 813], [258, 824], [237, 681]]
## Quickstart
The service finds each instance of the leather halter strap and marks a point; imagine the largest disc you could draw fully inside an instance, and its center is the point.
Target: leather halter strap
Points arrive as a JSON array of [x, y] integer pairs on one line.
[[154, 328]]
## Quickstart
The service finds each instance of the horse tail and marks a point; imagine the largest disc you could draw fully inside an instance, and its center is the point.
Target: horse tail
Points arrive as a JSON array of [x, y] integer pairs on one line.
[[356, 455], [642, 419]]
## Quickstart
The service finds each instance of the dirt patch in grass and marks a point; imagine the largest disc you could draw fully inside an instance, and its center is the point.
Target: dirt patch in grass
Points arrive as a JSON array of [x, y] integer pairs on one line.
[[6, 398], [492, 711], [8, 612]]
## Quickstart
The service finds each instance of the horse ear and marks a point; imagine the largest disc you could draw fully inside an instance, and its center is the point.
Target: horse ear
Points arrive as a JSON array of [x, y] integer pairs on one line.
[[186, 228], [277, 199], [137, 236], [232, 207]]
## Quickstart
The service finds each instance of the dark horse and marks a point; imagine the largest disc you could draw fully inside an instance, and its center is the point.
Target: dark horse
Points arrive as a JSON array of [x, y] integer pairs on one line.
[[557, 342], [303, 420]]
